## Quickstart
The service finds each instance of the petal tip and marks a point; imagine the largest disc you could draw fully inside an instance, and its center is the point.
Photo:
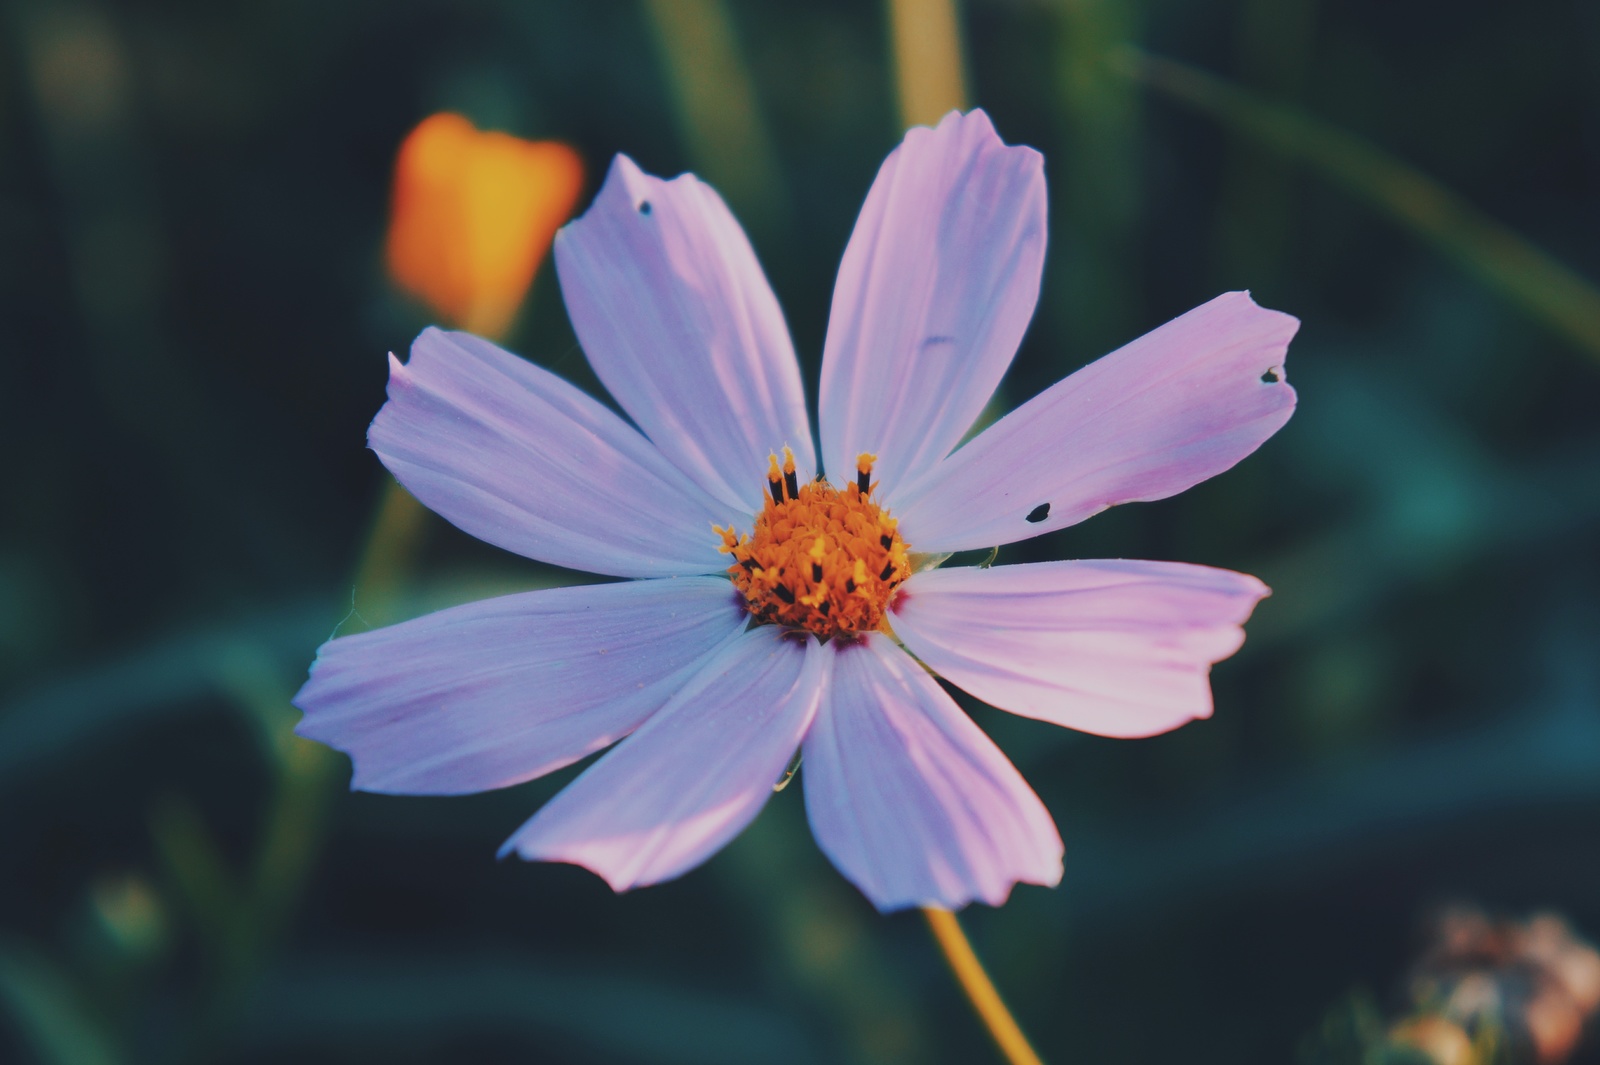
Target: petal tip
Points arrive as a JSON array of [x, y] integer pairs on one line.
[[618, 880], [1268, 313]]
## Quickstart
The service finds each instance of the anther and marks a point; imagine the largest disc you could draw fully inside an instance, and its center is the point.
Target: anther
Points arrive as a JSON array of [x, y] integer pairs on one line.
[[888, 571], [783, 593], [790, 480], [864, 463], [774, 480], [816, 572]]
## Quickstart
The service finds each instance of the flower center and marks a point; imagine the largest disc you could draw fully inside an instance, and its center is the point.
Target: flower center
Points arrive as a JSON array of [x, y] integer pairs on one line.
[[821, 558]]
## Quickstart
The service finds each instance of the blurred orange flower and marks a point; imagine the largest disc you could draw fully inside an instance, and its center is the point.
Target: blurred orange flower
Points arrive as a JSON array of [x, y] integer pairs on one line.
[[473, 215]]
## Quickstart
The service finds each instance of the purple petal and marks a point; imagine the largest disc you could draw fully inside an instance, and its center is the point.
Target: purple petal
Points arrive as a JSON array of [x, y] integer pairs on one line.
[[909, 798], [1180, 404], [504, 690], [678, 321], [934, 293], [520, 458], [693, 775], [1117, 648]]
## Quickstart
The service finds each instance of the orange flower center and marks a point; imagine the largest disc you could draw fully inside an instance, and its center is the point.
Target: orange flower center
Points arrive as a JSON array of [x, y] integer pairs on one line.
[[821, 558]]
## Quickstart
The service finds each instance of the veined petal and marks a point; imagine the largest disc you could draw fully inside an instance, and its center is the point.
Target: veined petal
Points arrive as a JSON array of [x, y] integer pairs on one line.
[[504, 690], [678, 321], [518, 457], [934, 293], [1115, 647], [1180, 404], [692, 776], [912, 802]]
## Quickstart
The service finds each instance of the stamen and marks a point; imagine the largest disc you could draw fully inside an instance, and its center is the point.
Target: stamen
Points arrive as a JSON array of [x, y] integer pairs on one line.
[[774, 479], [789, 479], [864, 463]]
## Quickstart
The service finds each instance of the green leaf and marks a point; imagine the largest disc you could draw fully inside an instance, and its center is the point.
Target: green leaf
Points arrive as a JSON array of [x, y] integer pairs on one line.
[[49, 1012]]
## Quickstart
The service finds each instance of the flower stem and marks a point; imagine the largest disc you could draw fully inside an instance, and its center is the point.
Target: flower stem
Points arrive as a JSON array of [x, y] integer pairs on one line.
[[398, 529], [925, 36], [979, 988]]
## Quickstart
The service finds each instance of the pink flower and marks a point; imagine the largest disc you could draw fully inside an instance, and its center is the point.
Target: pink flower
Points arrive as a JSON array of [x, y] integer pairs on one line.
[[819, 643]]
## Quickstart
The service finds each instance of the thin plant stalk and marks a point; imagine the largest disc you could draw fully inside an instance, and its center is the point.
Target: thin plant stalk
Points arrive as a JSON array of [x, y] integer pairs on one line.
[[930, 79], [980, 990]]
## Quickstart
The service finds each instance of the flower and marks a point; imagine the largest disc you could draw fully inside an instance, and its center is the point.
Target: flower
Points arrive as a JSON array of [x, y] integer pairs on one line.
[[473, 215], [820, 640], [1535, 979]]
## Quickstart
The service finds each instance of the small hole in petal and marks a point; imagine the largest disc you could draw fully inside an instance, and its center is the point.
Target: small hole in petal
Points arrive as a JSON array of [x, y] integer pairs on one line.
[[644, 207], [1039, 513], [1271, 377]]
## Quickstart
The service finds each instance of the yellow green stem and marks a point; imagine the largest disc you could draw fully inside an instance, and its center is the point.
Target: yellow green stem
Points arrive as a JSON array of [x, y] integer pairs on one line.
[[979, 989], [930, 77], [392, 544]]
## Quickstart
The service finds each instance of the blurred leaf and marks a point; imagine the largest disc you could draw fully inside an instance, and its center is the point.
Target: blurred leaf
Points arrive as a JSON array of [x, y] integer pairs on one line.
[[717, 106], [49, 1012], [1279, 833], [1436, 504], [825, 940], [1496, 255], [167, 676], [1275, 42], [375, 1003], [196, 868], [1348, 1034], [162, 679], [305, 773], [1097, 282], [130, 915]]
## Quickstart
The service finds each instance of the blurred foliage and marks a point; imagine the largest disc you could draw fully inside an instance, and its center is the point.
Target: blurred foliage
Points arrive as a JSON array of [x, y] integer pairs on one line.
[[192, 201]]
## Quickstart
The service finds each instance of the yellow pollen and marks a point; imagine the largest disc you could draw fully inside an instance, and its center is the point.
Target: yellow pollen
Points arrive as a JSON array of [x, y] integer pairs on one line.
[[821, 558]]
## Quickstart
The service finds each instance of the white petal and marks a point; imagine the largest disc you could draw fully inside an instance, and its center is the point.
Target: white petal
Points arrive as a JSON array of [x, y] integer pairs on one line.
[[678, 321], [518, 457], [1179, 405], [934, 293], [1116, 647], [913, 803], [504, 690], [691, 777]]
